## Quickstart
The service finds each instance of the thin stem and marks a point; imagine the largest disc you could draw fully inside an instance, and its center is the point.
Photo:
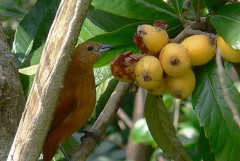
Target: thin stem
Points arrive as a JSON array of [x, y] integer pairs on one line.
[[226, 93], [176, 113]]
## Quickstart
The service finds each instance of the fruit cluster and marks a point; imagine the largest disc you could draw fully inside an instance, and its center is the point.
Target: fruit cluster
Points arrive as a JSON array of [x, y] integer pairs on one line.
[[167, 66]]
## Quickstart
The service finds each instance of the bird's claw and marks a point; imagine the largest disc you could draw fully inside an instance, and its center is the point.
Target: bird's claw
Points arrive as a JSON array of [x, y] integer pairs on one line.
[[90, 134]]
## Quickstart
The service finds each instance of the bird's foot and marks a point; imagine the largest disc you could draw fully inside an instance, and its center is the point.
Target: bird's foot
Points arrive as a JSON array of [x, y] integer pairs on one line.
[[90, 134]]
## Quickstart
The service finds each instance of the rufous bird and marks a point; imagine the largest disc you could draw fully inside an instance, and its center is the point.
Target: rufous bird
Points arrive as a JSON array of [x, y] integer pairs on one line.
[[77, 98]]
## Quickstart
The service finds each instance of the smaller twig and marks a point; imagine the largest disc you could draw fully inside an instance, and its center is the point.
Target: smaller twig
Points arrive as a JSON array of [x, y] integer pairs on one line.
[[103, 121], [226, 94], [188, 31], [176, 113], [115, 142], [124, 117]]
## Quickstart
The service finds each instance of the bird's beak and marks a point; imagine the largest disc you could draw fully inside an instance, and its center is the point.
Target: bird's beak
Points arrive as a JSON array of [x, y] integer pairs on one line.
[[104, 48]]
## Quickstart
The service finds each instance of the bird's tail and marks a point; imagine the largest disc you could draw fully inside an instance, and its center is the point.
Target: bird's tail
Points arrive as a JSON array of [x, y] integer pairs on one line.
[[49, 149]]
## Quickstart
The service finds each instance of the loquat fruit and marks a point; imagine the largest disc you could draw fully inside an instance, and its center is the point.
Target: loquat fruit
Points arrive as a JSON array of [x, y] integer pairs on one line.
[[201, 49], [175, 59], [228, 53], [150, 39], [160, 90], [181, 87], [148, 72]]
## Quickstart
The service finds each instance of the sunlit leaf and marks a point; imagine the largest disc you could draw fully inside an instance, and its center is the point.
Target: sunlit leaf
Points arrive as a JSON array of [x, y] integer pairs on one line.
[[227, 23]]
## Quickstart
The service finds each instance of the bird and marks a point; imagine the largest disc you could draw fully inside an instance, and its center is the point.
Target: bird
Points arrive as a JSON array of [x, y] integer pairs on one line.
[[77, 97]]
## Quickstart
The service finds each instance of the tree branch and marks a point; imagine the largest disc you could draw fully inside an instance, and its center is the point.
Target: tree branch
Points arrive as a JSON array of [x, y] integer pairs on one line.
[[103, 121], [12, 100], [48, 82]]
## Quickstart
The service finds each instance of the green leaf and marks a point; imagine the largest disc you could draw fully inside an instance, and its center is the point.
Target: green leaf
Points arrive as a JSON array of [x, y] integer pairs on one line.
[[100, 22], [178, 5], [213, 4], [26, 82], [227, 23], [135, 8], [214, 114], [122, 40], [70, 146], [101, 74], [11, 9], [33, 29], [204, 148], [103, 93], [139, 9], [31, 70], [162, 129], [198, 5], [36, 56]]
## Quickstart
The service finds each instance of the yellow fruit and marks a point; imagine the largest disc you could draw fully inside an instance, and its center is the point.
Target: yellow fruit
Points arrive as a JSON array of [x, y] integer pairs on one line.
[[228, 53], [175, 59], [159, 91], [181, 87], [153, 38], [148, 72], [201, 49]]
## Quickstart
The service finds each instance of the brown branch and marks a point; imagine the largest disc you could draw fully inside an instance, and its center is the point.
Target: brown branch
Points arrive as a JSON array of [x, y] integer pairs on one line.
[[226, 94], [12, 100], [124, 117], [46, 87], [103, 121], [135, 151], [188, 31]]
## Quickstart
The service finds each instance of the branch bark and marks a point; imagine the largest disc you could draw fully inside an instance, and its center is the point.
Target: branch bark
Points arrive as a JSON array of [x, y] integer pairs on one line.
[[103, 121], [48, 82], [12, 100], [135, 151]]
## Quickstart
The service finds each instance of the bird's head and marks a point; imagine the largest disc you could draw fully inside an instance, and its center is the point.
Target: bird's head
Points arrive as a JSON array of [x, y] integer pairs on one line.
[[89, 52]]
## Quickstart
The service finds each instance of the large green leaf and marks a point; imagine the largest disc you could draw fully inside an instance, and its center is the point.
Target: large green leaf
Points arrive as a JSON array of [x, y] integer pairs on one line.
[[11, 9], [213, 4], [227, 23], [162, 129], [139, 9], [99, 22], [122, 40], [33, 29], [204, 147], [214, 114]]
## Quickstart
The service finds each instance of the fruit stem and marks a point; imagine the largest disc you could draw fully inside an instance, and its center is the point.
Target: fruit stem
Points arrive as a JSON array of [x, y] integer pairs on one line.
[[226, 93]]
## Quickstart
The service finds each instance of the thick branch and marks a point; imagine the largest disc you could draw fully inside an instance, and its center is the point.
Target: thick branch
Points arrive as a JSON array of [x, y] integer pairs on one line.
[[103, 121], [12, 100], [48, 81]]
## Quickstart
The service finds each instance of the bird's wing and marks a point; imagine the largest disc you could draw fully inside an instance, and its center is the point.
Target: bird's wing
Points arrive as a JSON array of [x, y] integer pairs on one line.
[[64, 108]]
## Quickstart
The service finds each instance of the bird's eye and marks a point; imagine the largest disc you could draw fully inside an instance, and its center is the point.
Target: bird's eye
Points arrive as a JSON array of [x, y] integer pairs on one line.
[[90, 48]]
